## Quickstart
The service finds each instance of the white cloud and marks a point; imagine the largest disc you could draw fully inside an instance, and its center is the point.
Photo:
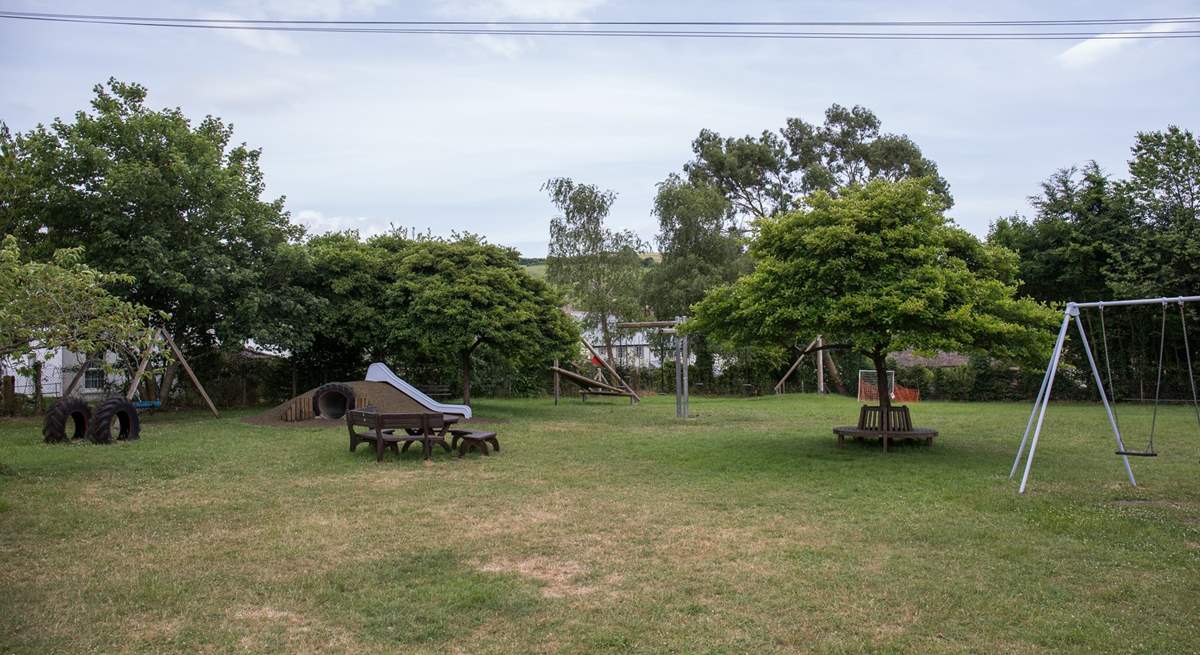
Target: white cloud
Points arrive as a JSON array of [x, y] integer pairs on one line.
[[519, 9], [265, 41], [318, 223], [1091, 51]]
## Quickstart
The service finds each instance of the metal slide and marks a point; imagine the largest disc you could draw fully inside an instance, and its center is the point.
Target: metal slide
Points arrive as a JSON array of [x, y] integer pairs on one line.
[[379, 372]]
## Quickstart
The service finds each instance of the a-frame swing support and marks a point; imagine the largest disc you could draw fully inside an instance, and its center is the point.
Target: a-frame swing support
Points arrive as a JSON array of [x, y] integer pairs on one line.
[[137, 378], [1043, 398]]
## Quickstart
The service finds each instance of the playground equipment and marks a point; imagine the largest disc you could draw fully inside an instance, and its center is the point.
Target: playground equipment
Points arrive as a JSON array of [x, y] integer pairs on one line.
[[381, 389], [117, 416], [591, 386], [1071, 313], [820, 352], [683, 357]]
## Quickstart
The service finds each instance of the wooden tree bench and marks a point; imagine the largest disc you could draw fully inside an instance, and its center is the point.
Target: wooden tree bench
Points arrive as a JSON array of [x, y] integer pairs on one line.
[[899, 427]]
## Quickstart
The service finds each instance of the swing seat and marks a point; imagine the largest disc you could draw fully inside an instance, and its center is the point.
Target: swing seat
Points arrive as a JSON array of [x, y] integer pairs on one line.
[[1137, 453]]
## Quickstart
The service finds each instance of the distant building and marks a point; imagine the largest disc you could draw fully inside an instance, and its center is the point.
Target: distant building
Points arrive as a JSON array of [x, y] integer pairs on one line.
[[630, 349], [59, 366], [909, 359]]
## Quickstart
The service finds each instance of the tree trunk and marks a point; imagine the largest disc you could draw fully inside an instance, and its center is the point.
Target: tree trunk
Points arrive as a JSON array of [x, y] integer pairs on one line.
[[168, 381], [37, 387], [881, 385], [608, 347], [466, 377]]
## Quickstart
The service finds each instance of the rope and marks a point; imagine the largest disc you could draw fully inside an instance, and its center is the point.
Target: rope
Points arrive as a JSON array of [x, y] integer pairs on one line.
[[1187, 351], [1162, 343], [1112, 390]]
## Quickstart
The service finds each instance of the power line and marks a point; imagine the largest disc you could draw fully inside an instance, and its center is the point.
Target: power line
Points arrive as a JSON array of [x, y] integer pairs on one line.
[[534, 28], [659, 23]]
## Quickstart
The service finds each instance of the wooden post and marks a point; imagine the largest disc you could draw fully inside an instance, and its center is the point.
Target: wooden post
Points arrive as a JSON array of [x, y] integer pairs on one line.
[[188, 369], [779, 386], [610, 369], [87, 360], [557, 382], [141, 370]]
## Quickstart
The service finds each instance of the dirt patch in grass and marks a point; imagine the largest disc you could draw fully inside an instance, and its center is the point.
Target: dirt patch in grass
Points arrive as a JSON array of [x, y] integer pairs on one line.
[[559, 578]]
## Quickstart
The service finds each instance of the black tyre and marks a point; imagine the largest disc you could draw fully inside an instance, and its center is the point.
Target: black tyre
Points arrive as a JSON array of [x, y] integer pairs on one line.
[[115, 418], [69, 418], [333, 400]]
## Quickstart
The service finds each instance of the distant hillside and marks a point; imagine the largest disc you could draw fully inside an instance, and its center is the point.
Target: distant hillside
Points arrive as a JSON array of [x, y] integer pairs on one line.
[[537, 265]]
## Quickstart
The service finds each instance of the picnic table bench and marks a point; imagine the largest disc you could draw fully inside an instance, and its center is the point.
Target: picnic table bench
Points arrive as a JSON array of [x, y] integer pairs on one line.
[[467, 440], [399, 431], [389, 431], [899, 427]]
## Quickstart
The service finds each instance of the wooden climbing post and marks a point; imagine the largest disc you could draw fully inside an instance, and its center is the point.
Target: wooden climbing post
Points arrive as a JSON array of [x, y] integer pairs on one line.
[[557, 382]]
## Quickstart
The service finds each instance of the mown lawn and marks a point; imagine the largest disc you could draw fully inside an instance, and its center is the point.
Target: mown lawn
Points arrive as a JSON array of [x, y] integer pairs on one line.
[[605, 528]]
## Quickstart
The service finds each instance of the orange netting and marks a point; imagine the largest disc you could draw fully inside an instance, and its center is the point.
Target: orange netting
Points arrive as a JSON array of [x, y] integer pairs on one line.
[[868, 391]]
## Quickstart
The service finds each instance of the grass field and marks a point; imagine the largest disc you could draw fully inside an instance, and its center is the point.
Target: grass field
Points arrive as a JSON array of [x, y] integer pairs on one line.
[[605, 528]]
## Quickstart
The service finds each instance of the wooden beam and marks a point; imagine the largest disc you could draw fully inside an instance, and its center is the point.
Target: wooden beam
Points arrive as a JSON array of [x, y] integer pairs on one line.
[[141, 370], [782, 380], [585, 381], [646, 324], [609, 368], [87, 360], [188, 369]]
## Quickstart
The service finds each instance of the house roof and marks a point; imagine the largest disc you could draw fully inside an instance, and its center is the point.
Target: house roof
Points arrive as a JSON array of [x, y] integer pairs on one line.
[[908, 358]]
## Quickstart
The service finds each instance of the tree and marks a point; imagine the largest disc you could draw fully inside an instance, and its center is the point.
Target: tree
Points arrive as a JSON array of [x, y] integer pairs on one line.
[[1071, 248], [462, 295], [1163, 191], [598, 268], [762, 176], [63, 303], [350, 277], [701, 248], [176, 207], [878, 269]]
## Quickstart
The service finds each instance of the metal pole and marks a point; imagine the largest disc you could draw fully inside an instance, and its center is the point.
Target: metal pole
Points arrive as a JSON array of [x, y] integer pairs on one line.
[[1138, 301], [1029, 425], [1112, 420], [687, 356], [821, 366], [678, 376], [1054, 357]]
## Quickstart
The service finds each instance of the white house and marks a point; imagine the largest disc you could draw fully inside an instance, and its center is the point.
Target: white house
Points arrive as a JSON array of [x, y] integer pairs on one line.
[[59, 366]]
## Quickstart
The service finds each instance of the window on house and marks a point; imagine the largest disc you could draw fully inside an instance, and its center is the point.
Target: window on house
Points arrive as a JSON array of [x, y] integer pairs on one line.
[[93, 378]]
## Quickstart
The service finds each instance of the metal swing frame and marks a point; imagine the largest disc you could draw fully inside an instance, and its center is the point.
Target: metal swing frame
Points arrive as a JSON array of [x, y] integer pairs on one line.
[[1043, 398]]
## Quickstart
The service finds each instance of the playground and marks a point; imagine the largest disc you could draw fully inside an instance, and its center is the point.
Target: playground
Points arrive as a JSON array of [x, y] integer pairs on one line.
[[605, 527]]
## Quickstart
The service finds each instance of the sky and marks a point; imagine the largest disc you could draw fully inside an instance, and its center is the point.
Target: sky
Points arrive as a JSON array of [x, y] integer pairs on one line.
[[458, 133]]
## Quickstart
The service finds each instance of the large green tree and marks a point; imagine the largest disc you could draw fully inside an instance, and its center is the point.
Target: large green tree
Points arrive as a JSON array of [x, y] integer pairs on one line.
[[598, 267], [1074, 244], [701, 247], [772, 172], [457, 297], [878, 269], [177, 207], [1163, 191]]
